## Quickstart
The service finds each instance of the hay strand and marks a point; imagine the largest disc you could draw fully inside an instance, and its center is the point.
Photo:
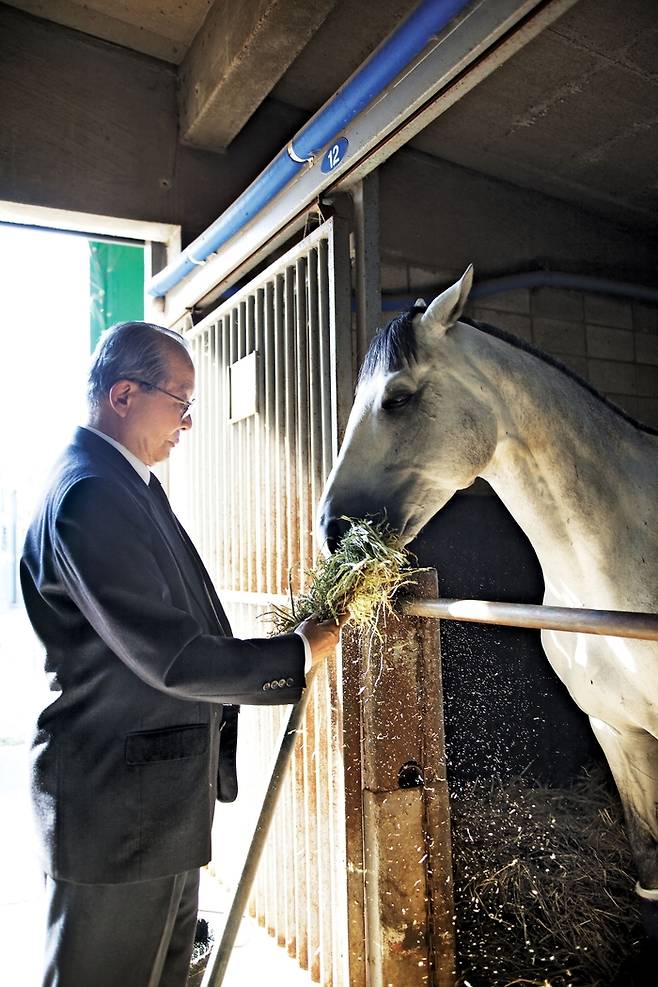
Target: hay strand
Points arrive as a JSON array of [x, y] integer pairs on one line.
[[543, 884], [361, 578]]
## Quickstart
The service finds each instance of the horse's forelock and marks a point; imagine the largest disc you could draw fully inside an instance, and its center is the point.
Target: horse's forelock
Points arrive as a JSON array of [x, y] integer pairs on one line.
[[393, 346]]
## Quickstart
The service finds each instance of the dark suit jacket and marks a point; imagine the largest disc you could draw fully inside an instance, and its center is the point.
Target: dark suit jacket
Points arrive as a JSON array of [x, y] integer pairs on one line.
[[125, 758]]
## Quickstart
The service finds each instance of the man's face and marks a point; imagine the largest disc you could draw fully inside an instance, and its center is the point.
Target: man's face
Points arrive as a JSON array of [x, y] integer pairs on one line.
[[155, 418]]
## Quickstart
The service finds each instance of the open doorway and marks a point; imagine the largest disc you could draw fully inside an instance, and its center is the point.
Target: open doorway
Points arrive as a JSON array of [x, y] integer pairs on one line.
[[48, 326]]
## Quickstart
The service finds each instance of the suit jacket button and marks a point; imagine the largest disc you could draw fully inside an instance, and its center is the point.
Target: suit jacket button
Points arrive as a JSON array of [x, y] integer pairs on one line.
[[290, 682], [266, 686], [275, 684], [282, 683]]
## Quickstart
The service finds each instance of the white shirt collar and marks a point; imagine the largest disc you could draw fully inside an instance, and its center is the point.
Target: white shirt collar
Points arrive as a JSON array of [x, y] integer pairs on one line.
[[136, 463]]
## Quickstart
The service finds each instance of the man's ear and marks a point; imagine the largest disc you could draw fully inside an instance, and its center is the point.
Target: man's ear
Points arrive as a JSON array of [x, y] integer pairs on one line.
[[119, 396], [447, 307]]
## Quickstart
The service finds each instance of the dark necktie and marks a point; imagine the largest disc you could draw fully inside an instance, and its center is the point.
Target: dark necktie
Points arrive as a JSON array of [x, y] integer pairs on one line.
[[162, 502]]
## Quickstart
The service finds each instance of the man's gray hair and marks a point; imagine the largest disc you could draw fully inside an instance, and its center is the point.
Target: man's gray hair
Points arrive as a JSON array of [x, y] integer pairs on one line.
[[131, 351]]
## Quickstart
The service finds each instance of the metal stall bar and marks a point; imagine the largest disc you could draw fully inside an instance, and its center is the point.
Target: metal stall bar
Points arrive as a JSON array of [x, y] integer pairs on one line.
[[252, 485], [614, 623], [221, 954]]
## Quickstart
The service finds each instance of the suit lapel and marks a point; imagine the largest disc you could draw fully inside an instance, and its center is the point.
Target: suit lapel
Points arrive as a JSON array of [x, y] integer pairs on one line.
[[156, 502]]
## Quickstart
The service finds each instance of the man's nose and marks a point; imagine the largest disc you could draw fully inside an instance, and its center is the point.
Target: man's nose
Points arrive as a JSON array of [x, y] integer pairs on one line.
[[186, 421]]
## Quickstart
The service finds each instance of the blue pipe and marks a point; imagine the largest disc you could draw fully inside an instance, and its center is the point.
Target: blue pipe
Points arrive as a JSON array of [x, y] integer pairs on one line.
[[385, 63], [534, 279]]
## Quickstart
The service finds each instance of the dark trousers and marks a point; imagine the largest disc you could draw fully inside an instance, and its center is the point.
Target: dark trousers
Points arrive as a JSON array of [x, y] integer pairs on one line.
[[121, 935]]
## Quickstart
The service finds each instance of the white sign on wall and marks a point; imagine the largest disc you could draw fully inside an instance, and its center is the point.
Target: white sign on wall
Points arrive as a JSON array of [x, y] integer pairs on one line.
[[243, 386]]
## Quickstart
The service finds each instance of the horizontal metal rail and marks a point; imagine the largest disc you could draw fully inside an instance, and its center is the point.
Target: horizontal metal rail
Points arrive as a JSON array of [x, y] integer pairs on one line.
[[613, 623]]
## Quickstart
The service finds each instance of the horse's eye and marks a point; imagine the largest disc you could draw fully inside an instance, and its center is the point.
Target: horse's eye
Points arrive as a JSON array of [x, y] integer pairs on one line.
[[396, 401]]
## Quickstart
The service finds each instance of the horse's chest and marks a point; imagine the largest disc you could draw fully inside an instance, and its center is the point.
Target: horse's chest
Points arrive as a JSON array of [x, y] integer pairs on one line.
[[609, 678]]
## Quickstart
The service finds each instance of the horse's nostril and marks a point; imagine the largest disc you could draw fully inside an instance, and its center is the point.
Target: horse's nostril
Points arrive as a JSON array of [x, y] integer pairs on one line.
[[334, 529]]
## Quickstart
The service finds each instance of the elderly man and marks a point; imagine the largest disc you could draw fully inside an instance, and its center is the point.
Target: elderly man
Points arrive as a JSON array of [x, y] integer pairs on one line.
[[139, 740]]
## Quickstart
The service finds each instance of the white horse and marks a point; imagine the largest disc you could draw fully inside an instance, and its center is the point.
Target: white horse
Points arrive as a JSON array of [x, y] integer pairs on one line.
[[441, 402]]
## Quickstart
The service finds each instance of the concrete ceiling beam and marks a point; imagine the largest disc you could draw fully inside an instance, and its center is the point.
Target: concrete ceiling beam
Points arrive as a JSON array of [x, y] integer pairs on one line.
[[238, 55], [164, 30]]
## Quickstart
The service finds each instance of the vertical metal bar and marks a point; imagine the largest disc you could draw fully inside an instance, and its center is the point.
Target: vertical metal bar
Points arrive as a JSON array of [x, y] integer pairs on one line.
[[207, 474], [324, 330], [218, 963], [315, 407], [226, 456], [290, 443], [303, 439], [268, 427], [250, 457], [288, 856], [236, 567], [243, 464], [368, 279], [200, 492], [313, 793], [323, 858], [198, 444], [269, 863], [300, 896], [213, 429], [344, 363], [279, 427], [277, 839], [191, 453], [262, 507], [311, 842], [337, 869], [270, 437], [216, 442]]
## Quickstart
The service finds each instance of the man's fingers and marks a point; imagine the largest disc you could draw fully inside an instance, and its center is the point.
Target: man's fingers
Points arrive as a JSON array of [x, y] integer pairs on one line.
[[338, 621]]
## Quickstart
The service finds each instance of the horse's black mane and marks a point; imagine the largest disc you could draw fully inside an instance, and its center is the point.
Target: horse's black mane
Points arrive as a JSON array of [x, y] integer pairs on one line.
[[394, 346]]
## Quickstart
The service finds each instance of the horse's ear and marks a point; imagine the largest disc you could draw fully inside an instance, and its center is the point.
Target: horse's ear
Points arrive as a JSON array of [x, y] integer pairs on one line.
[[447, 307], [420, 303]]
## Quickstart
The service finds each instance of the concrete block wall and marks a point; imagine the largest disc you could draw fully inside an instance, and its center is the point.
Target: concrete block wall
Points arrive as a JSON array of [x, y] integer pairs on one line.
[[612, 342]]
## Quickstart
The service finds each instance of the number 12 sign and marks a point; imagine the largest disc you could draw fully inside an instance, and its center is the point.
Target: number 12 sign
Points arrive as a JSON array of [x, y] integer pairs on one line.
[[335, 155]]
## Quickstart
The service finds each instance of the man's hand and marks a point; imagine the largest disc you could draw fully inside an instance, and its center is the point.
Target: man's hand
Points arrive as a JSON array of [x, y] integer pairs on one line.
[[322, 635]]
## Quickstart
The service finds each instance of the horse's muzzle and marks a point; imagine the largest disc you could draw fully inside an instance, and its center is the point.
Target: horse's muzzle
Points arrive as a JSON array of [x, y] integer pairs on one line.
[[332, 530]]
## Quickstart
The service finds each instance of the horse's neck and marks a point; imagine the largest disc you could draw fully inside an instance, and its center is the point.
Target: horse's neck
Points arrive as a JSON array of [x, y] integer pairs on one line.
[[569, 470]]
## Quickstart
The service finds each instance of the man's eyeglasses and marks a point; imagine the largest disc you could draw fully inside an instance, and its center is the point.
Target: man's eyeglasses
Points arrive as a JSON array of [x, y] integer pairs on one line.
[[185, 405]]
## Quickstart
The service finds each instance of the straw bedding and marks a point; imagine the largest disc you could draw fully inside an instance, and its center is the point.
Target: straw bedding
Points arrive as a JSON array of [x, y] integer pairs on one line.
[[543, 884]]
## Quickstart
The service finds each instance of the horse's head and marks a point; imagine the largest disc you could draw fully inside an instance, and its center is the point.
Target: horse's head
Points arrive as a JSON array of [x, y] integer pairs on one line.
[[419, 429]]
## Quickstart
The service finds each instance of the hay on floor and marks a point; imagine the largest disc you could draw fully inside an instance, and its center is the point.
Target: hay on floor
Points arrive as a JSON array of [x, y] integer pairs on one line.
[[543, 884]]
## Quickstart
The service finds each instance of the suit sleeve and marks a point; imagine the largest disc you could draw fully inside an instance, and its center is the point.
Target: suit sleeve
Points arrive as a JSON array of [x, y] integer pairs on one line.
[[105, 558]]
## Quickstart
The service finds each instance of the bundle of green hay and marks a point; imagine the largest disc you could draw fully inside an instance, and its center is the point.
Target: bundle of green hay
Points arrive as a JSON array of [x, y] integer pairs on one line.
[[543, 884], [361, 578]]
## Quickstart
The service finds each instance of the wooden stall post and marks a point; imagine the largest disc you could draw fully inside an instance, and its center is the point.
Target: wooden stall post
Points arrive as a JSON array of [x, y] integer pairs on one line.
[[406, 820]]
